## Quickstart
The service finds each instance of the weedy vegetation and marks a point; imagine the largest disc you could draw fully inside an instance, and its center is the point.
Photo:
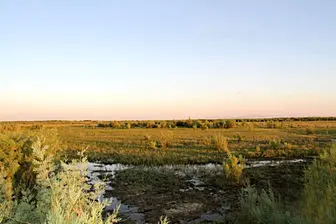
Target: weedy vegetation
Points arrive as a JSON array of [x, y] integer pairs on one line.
[[35, 188], [317, 203]]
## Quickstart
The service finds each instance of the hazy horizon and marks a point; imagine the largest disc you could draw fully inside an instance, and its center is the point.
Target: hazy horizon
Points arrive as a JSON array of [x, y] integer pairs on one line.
[[128, 60]]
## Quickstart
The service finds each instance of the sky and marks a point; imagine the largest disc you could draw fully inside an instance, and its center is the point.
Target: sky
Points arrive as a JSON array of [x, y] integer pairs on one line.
[[166, 59]]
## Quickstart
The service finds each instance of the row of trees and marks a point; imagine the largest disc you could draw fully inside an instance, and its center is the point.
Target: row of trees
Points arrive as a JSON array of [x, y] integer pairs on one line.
[[203, 124]]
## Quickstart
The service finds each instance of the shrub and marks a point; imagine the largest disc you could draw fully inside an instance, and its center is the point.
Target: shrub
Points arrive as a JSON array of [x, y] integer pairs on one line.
[[230, 124], [206, 141], [318, 203], [274, 144], [263, 208], [233, 167], [163, 124], [204, 126], [150, 124], [152, 144], [100, 125], [220, 143], [60, 193], [164, 139]]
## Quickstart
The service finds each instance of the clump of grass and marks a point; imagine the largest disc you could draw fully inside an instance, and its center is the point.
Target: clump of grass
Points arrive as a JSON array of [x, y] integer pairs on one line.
[[263, 207], [164, 139], [238, 137], [233, 167], [317, 203], [147, 137], [288, 145], [204, 127], [274, 144], [206, 141], [152, 144], [256, 153], [320, 189], [163, 220], [309, 131], [258, 150], [220, 143]]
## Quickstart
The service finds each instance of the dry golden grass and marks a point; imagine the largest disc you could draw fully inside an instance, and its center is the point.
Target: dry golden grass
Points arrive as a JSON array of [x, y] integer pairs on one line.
[[186, 145]]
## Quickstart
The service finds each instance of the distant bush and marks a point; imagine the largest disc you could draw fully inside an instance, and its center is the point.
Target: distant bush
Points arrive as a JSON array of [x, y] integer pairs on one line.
[[115, 124], [230, 124], [273, 124], [220, 143], [150, 124], [204, 126], [100, 125]]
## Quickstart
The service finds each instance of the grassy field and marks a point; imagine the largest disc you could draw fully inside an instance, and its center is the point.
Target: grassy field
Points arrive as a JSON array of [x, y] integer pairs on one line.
[[157, 146]]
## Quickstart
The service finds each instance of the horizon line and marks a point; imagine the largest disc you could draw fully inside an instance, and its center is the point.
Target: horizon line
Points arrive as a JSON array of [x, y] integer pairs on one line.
[[224, 118]]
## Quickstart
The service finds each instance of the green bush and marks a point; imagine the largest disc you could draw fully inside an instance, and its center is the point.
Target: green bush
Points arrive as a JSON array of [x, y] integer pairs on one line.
[[230, 124], [152, 144], [57, 192], [233, 167], [264, 208], [317, 203]]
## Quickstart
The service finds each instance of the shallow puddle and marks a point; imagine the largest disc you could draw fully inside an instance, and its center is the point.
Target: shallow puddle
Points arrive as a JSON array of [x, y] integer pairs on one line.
[[106, 173]]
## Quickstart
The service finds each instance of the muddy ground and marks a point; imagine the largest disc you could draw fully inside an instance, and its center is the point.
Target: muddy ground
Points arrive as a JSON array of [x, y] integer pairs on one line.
[[194, 193]]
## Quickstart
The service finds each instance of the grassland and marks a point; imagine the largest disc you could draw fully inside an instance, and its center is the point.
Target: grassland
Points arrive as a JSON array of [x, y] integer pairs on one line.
[[158, 146]]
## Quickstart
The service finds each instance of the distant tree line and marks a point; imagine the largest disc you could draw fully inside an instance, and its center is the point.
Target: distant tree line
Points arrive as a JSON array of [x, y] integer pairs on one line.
[[209, 123], [203, 124]]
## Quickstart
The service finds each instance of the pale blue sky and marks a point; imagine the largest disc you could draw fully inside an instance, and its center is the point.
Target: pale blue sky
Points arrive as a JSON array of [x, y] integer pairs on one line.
[[155, 59]]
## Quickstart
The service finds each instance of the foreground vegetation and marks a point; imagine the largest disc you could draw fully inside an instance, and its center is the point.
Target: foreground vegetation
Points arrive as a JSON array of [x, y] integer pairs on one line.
[[317, 203], [36, 188]]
